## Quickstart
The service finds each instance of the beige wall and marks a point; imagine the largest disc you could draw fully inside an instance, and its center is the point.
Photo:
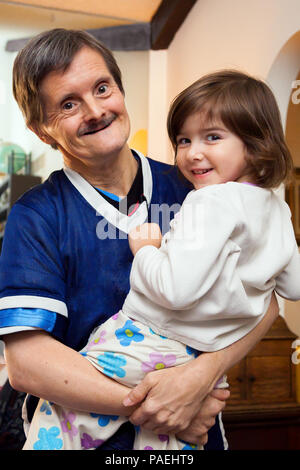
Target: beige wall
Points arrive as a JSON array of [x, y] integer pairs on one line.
[[260, 37], [236, 34], [230, 33], [158, 147]]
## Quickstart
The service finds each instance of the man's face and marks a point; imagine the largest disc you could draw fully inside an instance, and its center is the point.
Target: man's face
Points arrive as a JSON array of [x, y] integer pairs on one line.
[[85, 114]]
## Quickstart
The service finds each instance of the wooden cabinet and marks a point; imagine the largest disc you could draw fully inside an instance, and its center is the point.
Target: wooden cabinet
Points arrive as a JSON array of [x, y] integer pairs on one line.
[[262, 412]]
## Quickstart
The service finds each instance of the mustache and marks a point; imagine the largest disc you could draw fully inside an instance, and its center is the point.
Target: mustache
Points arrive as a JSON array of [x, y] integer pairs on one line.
[[95, 126]]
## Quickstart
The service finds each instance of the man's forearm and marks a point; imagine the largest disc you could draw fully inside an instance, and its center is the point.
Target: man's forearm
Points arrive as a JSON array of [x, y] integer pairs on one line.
[[40, 365], [219, 362], [238, 350]]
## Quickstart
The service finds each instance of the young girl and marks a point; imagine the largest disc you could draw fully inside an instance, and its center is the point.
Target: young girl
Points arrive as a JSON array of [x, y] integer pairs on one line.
[[210, 282]]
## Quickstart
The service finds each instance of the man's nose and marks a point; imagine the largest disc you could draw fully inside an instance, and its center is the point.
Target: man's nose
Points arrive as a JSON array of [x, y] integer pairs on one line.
[[92, 109]]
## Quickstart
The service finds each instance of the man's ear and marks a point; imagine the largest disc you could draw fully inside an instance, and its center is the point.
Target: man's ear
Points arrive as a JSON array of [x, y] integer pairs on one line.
[[36, 129]]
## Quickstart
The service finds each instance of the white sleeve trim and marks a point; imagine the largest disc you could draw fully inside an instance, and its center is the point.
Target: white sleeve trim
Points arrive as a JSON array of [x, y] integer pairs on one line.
[[32, 301], [15, 329]]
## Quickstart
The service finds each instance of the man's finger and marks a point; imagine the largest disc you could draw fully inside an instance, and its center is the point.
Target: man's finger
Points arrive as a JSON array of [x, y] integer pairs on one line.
[[137, 395], [220, 393]]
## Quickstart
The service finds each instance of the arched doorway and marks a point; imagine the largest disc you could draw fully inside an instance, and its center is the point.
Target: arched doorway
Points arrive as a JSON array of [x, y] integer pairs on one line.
[[283, 78]]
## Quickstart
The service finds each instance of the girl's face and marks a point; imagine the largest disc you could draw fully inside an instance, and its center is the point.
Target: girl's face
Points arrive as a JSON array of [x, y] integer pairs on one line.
[[209, 153]]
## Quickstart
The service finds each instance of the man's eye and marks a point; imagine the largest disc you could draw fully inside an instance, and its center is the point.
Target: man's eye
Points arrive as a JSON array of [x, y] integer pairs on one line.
[[68, 106], [102, 89]]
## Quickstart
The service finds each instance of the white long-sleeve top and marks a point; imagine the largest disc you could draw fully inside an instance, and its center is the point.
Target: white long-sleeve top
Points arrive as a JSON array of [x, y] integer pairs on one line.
[[211, 281]]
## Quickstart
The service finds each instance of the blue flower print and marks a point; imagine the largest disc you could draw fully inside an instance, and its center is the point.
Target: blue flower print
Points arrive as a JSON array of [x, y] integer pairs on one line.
[[191, 351], [153, 333], [112, 364], [188, 445], [46, 407], [48, 439], [129, 332], [103, 420]]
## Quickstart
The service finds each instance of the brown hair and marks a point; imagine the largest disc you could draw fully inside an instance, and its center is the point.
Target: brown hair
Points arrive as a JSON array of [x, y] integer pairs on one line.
[[247, 107], [50, 51]]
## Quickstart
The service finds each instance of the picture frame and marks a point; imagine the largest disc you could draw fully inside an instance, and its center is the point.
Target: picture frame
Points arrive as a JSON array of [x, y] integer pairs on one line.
[[292, 197]]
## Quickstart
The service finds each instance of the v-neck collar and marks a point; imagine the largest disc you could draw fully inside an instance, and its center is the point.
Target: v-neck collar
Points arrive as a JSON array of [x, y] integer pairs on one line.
[[122, 221]]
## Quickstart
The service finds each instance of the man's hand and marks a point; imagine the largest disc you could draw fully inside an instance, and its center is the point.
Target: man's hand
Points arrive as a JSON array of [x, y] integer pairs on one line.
[[145, 234], [171, 398]]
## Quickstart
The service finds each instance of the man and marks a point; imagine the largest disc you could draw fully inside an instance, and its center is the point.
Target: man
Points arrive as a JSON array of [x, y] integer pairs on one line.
[[66, 261]]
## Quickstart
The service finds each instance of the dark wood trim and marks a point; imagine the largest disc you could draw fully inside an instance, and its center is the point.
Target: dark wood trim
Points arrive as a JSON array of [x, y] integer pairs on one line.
[[137, 36], [167, 20], [131, 37], [15, 45]]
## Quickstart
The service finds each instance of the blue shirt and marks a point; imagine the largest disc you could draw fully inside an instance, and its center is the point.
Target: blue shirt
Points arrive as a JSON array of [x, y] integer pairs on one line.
[[65, 259], [64, 266]]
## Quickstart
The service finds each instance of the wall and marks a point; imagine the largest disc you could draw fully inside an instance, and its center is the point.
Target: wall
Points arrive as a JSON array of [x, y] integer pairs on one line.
[[158, 145], [19, 22], [230, 33], [260, 38]]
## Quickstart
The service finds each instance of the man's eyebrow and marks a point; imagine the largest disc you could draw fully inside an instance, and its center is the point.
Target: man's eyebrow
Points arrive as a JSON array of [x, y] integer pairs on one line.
[[67, 96], [104, 78], [71, 95]]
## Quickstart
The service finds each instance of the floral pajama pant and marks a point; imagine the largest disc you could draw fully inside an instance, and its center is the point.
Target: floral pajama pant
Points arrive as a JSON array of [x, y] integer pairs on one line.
[[125, 350]]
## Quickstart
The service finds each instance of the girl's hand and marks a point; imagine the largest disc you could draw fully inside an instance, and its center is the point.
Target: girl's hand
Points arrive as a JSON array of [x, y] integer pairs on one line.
[[171, 398], [145, 234]]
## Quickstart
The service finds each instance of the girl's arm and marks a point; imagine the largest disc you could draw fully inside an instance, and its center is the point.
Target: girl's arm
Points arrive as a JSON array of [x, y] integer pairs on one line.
[[192, 257], [189, 383], [287, 283], [42, 366]]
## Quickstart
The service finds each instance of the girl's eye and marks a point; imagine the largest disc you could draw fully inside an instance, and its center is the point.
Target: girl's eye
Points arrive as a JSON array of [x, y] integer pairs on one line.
[[183, 141], [213, 137]]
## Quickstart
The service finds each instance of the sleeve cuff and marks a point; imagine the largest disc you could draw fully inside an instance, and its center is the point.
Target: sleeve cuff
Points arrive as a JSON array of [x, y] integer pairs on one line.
[[13, 319]]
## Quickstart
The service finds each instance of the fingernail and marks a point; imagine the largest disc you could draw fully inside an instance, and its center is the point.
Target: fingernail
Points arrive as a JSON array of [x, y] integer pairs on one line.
[[127, 402]]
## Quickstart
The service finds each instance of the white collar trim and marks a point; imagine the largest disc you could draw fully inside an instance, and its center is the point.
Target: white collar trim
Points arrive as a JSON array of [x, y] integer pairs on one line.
[[109, 212]]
